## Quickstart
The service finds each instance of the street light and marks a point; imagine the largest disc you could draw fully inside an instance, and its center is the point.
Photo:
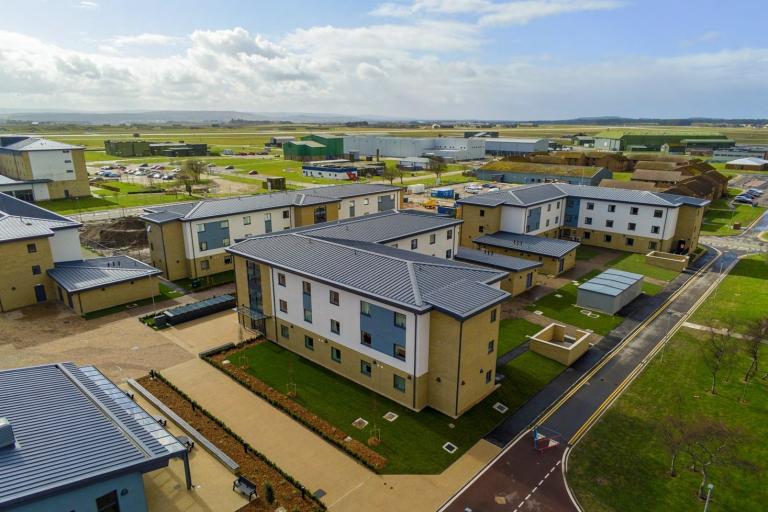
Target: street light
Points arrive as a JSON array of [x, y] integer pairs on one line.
[[709, 496]]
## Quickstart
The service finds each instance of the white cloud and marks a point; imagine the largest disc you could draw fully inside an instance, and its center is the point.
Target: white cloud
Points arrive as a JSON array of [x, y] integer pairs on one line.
[[88, 5], [376, 70], [145, 39]]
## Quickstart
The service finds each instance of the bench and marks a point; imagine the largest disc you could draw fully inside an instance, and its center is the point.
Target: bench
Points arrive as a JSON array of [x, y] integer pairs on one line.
[[245, 487]]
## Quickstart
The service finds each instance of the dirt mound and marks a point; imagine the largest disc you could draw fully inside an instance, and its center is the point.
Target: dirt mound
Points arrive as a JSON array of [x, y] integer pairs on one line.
[[126, 232]]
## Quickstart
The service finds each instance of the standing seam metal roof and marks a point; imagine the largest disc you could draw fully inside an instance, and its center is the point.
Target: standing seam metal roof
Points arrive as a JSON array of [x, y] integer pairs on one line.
[[496, 260], [611, 282], [544, 246], [77, 276]]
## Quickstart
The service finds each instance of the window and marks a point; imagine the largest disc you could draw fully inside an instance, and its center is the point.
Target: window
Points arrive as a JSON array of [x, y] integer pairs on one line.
[[365, 368], [309, 343], [284, 332], [449, 235], [493, 315], [588, 220], [658, 213], [108, 503], [268, 216], [200, 228], [247, 220], [590, 206], [336, 354], [652, 246], [283, 306], [558, 205], [203, 246], [634, 210], [224, 224], [308, 315], [491, 344], [398, 383], [225, 241], [365, 308], [414, 244], [365, 201], [609, 223], [432, 239], [529, 280], [587, 235], [400, 352], [482, 213], [607, 238], [306, 287], [228, 260], [630, 242], [281, 279], [36, 270], [481, 229], [549, 207], [400, 320], [488, 376], [205, 265], [631, 226], [365, 338], [286, 214], [335, 326], [67, 161], [333, 297], [611, 208], [557, 219], [31, 248], [655, 230], [547, 225], [448, 254]]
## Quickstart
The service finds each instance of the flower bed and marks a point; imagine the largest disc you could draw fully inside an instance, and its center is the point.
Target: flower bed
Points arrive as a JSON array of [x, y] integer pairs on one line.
[[341, 439], [253, 465]]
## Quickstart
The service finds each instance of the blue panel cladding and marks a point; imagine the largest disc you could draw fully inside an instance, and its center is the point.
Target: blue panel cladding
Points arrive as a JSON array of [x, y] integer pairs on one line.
[[534, 219], [386, 203], [384, 333], [572, 212], [214, 235]]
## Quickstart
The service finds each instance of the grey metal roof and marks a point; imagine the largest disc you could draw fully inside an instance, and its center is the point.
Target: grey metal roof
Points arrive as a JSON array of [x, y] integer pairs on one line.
[[73, 427], [533, 194], [380, 227], [403, 278], [243, 204], [452, 298], [541, 245], [499, 261], [20, 220], [13, 206], [611, 282], [37, 144], [77, 276]]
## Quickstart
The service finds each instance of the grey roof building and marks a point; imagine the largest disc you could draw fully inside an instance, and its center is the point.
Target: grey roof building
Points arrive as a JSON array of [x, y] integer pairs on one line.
[[20, 220], [70, 437], [610, 291], [77, 276], [543, 246], [500, 261]]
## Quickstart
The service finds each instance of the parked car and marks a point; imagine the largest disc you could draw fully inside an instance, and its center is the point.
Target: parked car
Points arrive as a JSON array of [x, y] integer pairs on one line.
[[489, 185], [253, 172], [167, 177], [473, 189], [744, 200], [106, 167], [750, 194], [156, 175], [144, 165], [755, 191], [229, 167]]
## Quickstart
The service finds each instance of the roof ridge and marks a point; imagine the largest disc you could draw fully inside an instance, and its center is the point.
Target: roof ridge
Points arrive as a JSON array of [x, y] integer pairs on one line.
[[335, 241], [414, 283]]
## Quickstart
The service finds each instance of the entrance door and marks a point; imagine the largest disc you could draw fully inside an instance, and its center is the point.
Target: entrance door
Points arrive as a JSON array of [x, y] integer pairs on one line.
[[352, 208], [561, 265], [40, 293]]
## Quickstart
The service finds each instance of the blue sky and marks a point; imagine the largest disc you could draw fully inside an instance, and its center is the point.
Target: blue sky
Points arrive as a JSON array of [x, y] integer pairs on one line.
[[520, 59]]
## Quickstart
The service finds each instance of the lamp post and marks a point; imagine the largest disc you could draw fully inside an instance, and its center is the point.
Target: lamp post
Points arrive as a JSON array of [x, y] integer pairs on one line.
[[709, 496]]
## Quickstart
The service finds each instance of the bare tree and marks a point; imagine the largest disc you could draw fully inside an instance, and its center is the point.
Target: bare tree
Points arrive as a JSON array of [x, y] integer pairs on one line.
[[437, 166], [710, 443], [717, 352], [674, 435], [757, 333], [191, 170]]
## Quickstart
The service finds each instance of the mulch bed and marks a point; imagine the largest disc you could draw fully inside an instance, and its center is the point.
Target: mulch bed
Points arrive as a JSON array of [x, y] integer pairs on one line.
[[251, 465], [284, 402]]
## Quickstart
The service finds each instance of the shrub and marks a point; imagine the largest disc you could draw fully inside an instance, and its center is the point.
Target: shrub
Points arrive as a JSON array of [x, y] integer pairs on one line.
[[269, 493]]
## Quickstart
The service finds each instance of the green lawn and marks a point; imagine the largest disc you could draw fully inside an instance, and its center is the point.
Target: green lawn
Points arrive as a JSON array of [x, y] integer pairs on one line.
[[207, 281], [622, 176], [564, 309], [87, 204], [740, 298], [651, 288], [452, 179], [122, 186], [622, 465], [584, 252], [514, 332], [718, 222], [636, 263], [412, 443]]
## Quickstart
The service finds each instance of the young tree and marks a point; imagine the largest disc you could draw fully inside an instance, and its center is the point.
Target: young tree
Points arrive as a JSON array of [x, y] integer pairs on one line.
[[389, 174], [674, 435], [191, 170], [757, 333], [710, 443], [437, 166], [717, 352]]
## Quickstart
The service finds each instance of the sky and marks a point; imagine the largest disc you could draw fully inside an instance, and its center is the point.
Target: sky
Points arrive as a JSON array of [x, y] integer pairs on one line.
[[428, 59]]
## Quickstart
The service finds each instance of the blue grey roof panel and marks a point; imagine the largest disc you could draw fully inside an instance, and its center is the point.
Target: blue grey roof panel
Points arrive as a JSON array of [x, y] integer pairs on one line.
[[611, 282], [77, 276], [452, 299], [540, 245], [72, 426], [496, 260], [10, 205]]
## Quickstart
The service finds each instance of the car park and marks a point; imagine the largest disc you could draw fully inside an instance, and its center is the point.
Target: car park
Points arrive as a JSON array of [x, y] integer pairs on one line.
[[750, 194]]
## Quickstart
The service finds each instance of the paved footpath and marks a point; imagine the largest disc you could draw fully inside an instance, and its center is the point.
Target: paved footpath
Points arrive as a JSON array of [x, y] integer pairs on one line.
[[512, 473]]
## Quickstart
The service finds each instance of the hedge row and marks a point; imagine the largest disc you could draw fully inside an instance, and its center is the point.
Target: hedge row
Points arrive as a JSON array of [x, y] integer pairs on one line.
[[208, 358], [246, 446]]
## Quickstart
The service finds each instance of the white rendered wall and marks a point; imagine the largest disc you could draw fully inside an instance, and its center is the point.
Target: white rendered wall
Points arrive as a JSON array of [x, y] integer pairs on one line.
[[52, 165], [644, 219], [65, 245]]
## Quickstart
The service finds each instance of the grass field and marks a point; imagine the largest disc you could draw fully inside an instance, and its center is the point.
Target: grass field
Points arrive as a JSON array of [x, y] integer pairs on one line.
[[564, 309], [412, 443], [89, 204], [636, 263], [622, 465], [719, 222], [206, 282], [741, 297], [513, 332], [623, 176]]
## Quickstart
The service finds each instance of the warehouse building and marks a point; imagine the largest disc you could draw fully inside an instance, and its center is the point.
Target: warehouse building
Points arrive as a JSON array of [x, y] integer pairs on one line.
[[139, 148], [675, 141], [279, 140], [609, 291], [70, 439], [45, 169], [449, 148], [628, 220], [742, 151], [748, 164], [484, 133], [190, 239], [420, 330], [504, 146], [524, 173], [305, 150]]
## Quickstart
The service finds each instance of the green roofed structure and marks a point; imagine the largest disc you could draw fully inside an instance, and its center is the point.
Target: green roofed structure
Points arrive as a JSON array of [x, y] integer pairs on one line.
[[658, 140]]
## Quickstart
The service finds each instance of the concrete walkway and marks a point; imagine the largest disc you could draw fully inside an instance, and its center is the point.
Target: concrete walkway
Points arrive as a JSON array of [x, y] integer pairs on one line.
[[312, 460], [512, 354]]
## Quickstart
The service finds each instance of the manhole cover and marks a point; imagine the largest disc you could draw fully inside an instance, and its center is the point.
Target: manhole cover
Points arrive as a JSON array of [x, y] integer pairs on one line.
[[558, 296], [498, 406], [450, 447], [537, 312], [390, 416], [360, 423]]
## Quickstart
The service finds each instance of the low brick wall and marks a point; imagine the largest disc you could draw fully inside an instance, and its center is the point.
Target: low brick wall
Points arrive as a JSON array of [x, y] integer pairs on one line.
[[549, 343], [676, 262]]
